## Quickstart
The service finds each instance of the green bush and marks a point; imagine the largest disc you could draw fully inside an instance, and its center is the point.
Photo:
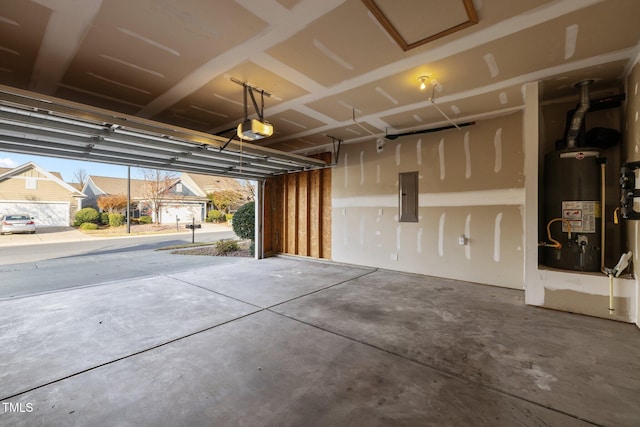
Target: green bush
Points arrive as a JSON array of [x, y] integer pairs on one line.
[[244, 221], [104, 218], [145, 219], [88, 226], [226, 246], [116, 220], [86, 215], [215, 216], [228, 217]]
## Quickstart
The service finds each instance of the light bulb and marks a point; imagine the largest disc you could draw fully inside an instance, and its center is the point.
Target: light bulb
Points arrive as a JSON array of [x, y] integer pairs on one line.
[[423, 82]]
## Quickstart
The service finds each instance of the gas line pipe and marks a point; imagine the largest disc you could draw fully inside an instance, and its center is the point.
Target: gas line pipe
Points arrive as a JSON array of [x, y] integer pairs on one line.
[[554, 243]]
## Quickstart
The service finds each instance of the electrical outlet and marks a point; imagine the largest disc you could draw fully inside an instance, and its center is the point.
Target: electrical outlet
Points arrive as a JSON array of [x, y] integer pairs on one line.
[[394, 256]]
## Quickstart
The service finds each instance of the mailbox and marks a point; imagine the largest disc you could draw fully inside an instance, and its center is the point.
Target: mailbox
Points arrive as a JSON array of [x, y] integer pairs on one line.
[[192, 226]]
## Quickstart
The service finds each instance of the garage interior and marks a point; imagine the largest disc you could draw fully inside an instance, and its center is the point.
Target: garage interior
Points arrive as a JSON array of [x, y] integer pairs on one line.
[[419, 230]]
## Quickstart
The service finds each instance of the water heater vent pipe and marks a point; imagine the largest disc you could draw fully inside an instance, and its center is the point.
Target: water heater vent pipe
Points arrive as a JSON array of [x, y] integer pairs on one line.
[[578, 116]]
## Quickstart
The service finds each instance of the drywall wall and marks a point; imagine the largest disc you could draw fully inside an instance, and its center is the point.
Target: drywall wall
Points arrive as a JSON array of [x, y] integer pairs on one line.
[[471, 183]]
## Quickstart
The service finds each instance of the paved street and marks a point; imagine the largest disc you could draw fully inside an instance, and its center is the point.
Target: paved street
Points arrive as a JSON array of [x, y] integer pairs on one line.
[[58, 242], [71, 259]]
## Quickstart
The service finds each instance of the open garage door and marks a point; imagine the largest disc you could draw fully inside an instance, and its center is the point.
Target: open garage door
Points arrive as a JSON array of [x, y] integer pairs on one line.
[[46, 214]]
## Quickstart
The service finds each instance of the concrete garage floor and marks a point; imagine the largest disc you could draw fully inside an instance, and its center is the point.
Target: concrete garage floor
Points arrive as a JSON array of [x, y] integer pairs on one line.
[[290, 342]]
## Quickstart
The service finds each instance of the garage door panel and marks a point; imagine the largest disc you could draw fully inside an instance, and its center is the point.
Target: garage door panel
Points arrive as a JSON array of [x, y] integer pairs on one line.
[[45, 214], [184, 213]]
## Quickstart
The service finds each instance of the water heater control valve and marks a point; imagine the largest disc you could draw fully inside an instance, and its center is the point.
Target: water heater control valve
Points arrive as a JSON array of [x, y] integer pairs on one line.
[[628, 190]]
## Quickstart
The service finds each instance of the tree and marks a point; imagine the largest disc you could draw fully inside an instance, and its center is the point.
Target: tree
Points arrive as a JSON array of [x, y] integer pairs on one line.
[[155, 189], [112, 203], [223, 200], [80, 176], [86, 215], [248, 188], [244, 224]]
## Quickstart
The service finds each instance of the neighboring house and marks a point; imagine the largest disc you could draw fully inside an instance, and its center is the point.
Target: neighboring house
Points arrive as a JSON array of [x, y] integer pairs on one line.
[[209, 184], [42, 194], [182, 201]]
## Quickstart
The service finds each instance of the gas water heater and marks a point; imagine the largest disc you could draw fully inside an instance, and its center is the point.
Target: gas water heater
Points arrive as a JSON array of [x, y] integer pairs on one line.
[[572, 197], [572, 210]]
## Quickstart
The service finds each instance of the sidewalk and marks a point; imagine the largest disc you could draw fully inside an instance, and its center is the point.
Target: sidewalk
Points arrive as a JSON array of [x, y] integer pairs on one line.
[[71, 234]]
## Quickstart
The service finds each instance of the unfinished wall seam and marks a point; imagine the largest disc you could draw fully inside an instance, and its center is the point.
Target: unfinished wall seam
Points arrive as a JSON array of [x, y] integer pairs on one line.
[[497, 143], [467, 233], [441, 157], [346, 170], [441, 222], [497, 237], [362, 167], [467, 156], [571, 37]]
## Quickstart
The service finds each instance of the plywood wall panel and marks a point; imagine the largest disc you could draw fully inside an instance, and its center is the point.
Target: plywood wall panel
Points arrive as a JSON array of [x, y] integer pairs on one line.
[[325, 218], [303, 214], [315, 214], [291, 224], [299, 210]]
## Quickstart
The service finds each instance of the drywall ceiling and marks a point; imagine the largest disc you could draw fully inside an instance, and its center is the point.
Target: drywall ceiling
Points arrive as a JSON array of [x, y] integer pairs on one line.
[[331, 66]]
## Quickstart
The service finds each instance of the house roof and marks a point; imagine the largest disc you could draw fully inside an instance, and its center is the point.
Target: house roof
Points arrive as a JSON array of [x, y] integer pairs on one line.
[[56, 174], [7, 173], [112, 186], [209, 184], [78, 186]]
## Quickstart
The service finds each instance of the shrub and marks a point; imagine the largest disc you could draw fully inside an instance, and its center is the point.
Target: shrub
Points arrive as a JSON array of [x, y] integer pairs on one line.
[[228, 217], [226, 246], [244, 221], [145, 219], [116, 220], [104, 218], [86, 215], [88, 226], [215, 216]]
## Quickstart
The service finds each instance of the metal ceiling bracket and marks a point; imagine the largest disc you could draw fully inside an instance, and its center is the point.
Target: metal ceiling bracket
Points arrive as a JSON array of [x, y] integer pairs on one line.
[[248, 90], [337, 142], [225, 144]]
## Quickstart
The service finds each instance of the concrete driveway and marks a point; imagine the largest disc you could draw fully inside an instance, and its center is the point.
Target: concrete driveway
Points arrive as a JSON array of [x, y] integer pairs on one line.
[[291, 342], [46, 235]]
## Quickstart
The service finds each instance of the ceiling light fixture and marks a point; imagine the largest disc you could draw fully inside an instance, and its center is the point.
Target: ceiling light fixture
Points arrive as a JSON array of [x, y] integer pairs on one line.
[[423, 81]]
